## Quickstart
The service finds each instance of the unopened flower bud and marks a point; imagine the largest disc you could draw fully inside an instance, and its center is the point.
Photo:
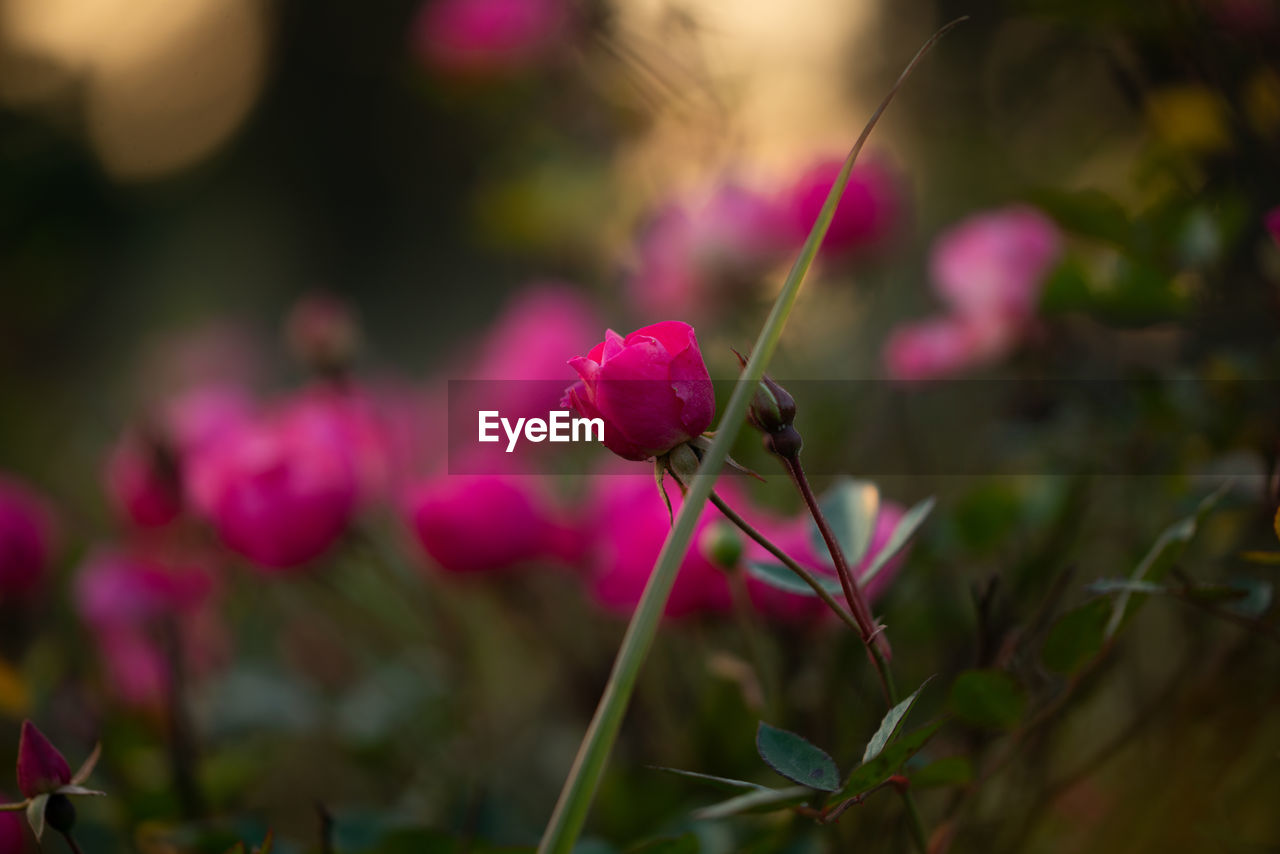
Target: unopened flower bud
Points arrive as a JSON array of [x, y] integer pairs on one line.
[[721, 545], [772, 409], [322, 333], [683, 462], [786, 443]]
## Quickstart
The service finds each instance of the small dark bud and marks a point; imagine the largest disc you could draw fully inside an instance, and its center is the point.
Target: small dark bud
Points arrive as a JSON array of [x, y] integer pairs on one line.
[[721, 545], [786, 443], [772, 409], [323, 334], [60, 813]]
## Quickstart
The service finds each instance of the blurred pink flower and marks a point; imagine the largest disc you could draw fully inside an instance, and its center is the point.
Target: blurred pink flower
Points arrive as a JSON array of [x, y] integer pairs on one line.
[[870, 209], [485, 523], [940, 347], [794, 537], [144, 481], [322, 333], [354, 421], [280, 491], [991, 266], [990, 270], [651, 388], [12, 838], [125, 599], [484, 38], [629, 523], [26, 538], [1272, 222], [693, 255]]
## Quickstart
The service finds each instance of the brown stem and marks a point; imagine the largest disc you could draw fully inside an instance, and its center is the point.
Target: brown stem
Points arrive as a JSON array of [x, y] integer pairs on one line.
[[852, 593]]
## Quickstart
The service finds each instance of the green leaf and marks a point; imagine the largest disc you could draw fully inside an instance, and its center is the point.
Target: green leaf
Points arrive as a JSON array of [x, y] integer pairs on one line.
[[1253, 597], [987, 698], [952, 771], [765, 800], [1076, 637], [1168, 547], [796, 759], [890, 723], [851, 507], [1089, 213], [868, 775], [781, 578], [727, 784], [902, 534]]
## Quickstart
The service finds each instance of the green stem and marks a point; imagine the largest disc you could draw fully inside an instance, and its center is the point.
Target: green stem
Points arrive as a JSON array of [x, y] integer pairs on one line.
[[571, 809], [787, 561]]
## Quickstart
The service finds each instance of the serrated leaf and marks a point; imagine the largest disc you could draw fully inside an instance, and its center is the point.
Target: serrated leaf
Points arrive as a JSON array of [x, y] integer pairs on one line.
[[795, 758], [780, 577], [851, 508], [987, 698], [727, 784], [765, 800], [868, 775], [952, 771], [902, 534], [1157, 562], [1076, 637], [890, 723]]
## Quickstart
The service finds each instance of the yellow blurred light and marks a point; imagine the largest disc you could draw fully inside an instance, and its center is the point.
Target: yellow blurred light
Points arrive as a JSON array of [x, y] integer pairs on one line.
[[1262, 102], [13, 691], [162, 82], [1190, 118]]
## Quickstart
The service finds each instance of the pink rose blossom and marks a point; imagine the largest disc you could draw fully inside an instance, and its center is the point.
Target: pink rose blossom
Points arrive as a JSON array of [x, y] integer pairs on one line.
[[42, 768], [651, 388], [869, 210], [940, 347], [483, 38], [126, 598], [630, 524], [991, 266], [485, 523], [281, 491], [1272, 222], [12, 838], [144, 481], [691, 255], [26, 538]]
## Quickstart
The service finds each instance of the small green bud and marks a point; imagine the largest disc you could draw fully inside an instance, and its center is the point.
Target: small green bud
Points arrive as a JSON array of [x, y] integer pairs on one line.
[[721, 545], [772, 409], [683, 461]]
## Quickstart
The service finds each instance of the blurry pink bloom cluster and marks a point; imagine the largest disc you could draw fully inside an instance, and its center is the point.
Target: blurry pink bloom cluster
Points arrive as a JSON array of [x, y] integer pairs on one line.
[[214, 475], [988, 270], [699, 253], [489, 38]]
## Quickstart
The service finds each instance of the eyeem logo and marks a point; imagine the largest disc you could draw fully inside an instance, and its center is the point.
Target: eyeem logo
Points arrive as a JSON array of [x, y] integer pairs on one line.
[[559, 426]]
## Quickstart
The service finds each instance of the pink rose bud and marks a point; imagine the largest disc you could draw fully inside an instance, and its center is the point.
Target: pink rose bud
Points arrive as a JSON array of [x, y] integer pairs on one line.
[[991, 266], [487, 38], [630, 526], [280, 492], [26, 539], [941, 347], [1272, 222], [485, 523], [869, 209], [144, 481], [42, 769], [651, 388]]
